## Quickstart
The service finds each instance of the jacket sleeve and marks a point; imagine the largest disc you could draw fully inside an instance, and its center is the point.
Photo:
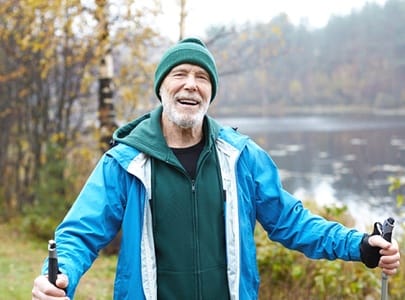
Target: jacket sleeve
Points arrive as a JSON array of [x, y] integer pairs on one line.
[[92, 222], [288, 222]]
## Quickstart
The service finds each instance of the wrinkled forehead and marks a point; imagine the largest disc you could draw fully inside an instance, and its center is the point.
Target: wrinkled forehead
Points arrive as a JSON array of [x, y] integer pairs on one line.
[[187, 67]]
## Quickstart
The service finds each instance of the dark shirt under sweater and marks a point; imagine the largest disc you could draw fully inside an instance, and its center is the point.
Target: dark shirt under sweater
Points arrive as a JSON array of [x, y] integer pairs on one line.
[[188, 157]]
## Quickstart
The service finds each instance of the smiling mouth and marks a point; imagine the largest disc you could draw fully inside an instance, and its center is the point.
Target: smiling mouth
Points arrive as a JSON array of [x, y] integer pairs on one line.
[[190, 102]]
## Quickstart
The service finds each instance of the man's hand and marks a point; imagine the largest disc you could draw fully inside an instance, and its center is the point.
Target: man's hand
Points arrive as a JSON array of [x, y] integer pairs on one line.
[[44, 290], [390, 256]]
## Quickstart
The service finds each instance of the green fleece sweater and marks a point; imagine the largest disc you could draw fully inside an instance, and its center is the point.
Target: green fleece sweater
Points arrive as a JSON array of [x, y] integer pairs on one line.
[[188, 215]]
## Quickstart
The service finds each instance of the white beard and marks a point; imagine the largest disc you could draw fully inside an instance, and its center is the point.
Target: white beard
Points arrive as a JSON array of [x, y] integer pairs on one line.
[[183, 119]]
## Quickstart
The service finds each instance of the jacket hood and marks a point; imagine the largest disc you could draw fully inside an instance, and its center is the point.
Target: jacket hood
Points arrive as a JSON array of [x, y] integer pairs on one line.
[[145, 134]]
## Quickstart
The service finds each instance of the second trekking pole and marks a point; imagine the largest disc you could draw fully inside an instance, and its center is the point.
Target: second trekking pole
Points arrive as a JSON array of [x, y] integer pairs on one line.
[[386, 230]]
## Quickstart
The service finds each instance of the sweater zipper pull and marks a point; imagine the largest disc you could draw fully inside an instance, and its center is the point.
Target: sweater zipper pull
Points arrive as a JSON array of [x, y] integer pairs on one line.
[[193, 186]]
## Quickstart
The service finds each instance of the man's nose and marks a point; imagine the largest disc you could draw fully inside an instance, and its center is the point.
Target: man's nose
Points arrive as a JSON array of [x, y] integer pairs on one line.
[[191, 82]]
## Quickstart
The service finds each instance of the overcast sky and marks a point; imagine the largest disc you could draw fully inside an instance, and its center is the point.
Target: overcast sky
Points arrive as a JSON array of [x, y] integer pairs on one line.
[[203, 13]]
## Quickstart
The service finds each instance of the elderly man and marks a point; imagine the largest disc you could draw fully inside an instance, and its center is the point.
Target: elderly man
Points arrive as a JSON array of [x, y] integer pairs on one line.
[[187, 193]]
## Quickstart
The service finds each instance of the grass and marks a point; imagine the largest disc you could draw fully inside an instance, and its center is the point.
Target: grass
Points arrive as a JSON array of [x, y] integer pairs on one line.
[[21, 260]]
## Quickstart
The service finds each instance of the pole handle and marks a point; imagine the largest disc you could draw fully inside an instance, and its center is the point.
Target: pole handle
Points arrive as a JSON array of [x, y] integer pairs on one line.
[[387, 229], [52, 262]]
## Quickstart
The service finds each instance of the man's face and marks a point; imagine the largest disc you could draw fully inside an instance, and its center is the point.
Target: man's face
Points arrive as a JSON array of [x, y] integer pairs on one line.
[[186, 95]]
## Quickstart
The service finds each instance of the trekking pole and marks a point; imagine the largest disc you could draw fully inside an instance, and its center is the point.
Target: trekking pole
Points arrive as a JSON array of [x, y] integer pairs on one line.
[[52, 262], [386, 230]]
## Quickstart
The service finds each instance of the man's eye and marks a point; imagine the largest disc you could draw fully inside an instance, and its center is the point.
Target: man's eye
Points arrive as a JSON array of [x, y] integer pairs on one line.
[[178, 74], [205, 77]]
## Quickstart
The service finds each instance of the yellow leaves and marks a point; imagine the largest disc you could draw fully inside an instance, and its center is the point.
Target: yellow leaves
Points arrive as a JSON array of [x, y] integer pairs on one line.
[[295, 87], [126, 93], [5, 113], [395, 186], [101, 3], [57, 137], [87, 80], [276, 30], [34, 4], [13, 75], [24, 145], [23, 93], [24, 42], [296, 90]]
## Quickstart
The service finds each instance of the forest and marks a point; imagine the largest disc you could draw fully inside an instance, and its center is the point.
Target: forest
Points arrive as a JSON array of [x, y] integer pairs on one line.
[[356, 61], [55, 55], [49, 68]]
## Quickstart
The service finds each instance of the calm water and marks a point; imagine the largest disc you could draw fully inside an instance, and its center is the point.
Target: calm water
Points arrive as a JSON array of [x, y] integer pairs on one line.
[[342, 160]]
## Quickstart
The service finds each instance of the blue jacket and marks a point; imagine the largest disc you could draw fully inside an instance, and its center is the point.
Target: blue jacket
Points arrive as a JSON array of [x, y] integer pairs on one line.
[[116, 196]]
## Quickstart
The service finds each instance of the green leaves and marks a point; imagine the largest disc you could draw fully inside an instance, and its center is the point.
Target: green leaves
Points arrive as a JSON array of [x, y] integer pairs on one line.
[[394, 188], [287, 274]]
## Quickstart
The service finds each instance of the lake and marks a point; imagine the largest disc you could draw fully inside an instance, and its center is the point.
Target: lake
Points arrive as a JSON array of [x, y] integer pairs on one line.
[[344, 160]]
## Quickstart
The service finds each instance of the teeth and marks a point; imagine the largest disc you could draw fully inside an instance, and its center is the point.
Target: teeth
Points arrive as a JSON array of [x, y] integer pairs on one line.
[[188, 102]]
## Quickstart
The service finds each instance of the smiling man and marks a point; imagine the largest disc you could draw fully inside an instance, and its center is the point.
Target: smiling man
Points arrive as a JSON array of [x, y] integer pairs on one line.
[[187, 193], [185, 94]]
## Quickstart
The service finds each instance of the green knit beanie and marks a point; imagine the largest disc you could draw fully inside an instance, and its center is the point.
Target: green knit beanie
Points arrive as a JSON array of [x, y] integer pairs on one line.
[[189, 50]]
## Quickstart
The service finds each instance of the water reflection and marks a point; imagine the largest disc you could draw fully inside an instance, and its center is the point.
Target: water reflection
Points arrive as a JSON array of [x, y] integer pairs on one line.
[[335, 159]]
